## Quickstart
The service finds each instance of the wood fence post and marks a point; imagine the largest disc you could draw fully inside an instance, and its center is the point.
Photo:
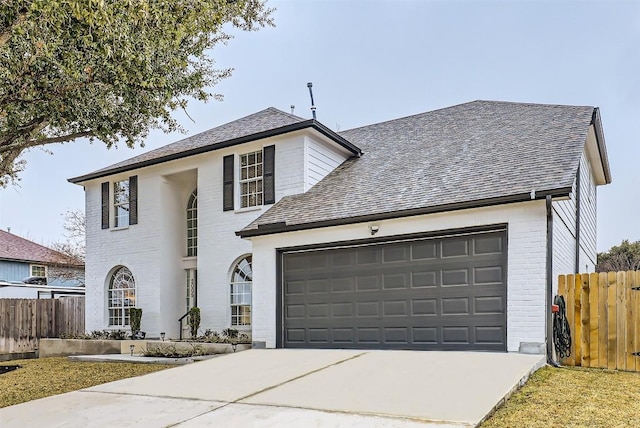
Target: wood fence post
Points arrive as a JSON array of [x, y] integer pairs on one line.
[[611, 315], [571, 310], [577, 323], [621, 321], [585, 316], [603, 321], [594, 320]]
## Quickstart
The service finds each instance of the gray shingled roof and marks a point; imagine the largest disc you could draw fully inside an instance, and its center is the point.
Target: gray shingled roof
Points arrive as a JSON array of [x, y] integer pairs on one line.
[[265, 120], [435, 161]]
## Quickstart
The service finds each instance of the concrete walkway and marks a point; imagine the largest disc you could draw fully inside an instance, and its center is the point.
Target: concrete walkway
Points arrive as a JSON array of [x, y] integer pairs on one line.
[[276, 388]]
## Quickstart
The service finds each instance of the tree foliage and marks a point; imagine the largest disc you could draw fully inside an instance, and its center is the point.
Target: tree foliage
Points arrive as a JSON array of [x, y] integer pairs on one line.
[[623, 257], [73, 248], [107, 70]]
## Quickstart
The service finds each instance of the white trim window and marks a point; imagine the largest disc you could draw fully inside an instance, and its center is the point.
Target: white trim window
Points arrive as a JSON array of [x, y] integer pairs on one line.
[[192, 225], [121, 203], [251, 192], [38, 270], [121, 297], [241, 280]]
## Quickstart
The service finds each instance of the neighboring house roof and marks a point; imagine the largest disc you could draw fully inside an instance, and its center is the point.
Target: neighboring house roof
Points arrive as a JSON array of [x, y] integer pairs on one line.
[[266, 123], [16, 248], [469, 155]]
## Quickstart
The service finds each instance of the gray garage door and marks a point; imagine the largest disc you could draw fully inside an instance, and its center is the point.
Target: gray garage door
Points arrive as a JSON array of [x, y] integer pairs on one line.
[[446, 293]]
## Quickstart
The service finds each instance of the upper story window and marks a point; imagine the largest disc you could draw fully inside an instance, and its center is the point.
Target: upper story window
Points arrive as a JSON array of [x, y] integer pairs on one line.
[[192, 225], [120, 203], [251, 179], [38, 270]]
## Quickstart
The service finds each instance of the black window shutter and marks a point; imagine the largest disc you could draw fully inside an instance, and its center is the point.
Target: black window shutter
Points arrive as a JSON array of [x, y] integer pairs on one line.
[[227, 180], [268, 174], [133, 199], [105, 205]]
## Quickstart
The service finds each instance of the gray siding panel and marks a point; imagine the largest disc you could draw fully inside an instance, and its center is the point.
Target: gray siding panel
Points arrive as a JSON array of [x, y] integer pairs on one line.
[[588, 204], [13, 271], [321, 160]]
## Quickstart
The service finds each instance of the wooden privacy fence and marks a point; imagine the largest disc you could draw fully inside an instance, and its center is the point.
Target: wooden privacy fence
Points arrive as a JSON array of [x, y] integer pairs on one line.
[[603, 311], [24, 321]]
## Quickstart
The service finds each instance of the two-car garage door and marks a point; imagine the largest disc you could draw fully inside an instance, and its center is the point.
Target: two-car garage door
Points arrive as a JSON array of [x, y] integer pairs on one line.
[[439, 293]]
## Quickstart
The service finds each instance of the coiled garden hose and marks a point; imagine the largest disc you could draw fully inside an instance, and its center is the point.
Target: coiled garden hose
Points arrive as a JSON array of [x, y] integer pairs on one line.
[[561, 329]]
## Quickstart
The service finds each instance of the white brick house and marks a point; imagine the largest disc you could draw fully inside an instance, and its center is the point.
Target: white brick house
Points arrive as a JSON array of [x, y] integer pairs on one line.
[[443, 230]]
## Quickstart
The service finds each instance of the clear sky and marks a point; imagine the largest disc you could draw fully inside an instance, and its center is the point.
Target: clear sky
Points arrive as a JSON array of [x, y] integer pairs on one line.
[[372, 61]]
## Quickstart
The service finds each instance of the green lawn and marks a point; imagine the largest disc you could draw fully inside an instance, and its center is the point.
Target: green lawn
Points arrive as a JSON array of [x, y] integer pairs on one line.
[[573, 397], [43, 377]]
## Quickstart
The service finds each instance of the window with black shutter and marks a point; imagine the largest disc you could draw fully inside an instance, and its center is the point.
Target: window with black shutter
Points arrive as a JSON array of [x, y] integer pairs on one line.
[[105, 205], [227, 180], [268, 177], [133, 199]]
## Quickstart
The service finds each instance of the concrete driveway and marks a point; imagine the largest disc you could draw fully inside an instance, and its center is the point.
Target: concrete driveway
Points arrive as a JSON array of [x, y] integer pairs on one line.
[[276, 388]]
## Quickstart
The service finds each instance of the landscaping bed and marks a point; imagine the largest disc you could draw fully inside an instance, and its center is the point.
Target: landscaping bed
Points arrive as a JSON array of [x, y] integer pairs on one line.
[[50, 376], [573, 397]]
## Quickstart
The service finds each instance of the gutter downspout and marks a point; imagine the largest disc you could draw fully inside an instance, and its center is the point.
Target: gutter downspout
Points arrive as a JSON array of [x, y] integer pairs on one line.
[[549, 291], [578, 191]]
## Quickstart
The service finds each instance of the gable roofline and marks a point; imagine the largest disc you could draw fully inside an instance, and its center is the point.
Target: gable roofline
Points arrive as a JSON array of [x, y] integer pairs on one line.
[[310, 123], [273, 228], [596, 121]]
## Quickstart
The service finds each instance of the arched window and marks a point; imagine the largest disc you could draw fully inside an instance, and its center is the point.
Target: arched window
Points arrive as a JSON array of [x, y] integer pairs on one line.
[[122, 296], [192, 225], [241, 279]]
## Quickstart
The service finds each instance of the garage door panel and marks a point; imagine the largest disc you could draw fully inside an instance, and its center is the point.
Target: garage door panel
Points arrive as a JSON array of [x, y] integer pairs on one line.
[[425, 335], [342, 285], [395, 308], [318, 335], [319, 286], [368, 335], [445, 293], [489, 305], [455, 277], [344, 336], [454, 306], [488, 275], [458, 335], [488, 245], [455, 247], [424, 307], [424, 250], [489, 335], [367, 255], [397, 335], [395, 253], [367, 283], [295, 311], [368, 309], [421, 279], [344, 309], [393, 281]]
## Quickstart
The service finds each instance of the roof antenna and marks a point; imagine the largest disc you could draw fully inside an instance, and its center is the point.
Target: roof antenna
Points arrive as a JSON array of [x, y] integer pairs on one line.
[[313, 106], [292, 108]]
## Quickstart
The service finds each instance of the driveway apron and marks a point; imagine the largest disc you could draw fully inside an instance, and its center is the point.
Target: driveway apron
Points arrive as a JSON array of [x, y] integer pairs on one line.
[[275, 388]]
